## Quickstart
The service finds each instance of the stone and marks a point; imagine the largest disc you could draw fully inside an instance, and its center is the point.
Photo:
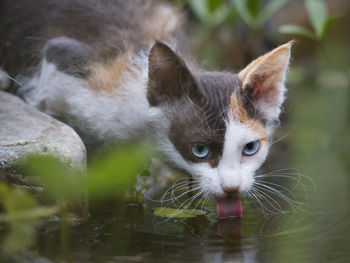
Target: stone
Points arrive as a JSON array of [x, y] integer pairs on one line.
[[25, 130]]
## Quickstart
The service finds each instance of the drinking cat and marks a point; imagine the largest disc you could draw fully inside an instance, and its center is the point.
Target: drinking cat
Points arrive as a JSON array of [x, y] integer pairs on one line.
[[117, 70]]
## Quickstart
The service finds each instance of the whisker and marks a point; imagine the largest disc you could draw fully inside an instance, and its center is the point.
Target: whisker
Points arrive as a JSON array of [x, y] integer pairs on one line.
[[286, 189], [276, 192], [254, 195], [267, 198], [281, 138]]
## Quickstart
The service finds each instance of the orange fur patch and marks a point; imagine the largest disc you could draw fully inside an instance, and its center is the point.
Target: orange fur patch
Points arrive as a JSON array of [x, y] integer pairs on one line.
[[238, 113], [236, 110], [108, 77], [163, 23]]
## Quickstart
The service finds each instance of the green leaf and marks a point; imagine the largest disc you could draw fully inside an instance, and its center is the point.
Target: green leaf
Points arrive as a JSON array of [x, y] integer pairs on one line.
[[330, 21], [297, 30], [58, 180], [111, 171], [21, 233], [243, 11], [115, 170], [251, 13], [14, 199], [317, 11], [213, 5], [253, 7], [271, 8], [210, 13], [178, 213]]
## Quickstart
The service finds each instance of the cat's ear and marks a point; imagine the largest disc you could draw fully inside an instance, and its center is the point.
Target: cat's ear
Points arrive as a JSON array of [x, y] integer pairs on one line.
[[263, 82], [169, 77]]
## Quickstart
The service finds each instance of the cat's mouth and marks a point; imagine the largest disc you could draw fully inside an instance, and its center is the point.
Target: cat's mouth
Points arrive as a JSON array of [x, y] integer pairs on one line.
[[228, 206]]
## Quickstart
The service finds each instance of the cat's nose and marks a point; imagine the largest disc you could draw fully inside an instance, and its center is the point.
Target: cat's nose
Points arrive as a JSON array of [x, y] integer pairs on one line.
[[230, 189]]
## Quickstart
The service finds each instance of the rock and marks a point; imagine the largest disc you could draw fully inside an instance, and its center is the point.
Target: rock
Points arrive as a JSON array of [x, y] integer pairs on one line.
[[25, 130]]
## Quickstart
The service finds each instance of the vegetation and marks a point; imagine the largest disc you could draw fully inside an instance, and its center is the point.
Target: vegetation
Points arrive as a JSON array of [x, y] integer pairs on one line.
[[108, 175]]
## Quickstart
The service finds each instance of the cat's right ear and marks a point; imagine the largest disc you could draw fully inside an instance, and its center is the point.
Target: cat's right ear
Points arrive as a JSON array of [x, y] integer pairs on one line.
[[169, 77]]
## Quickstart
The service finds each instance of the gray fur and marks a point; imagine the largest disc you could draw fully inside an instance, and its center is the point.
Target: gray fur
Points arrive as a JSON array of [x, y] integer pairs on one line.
[[109, 27]]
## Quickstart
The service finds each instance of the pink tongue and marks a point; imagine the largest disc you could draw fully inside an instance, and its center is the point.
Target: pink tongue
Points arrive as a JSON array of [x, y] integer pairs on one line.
[[228, 206]]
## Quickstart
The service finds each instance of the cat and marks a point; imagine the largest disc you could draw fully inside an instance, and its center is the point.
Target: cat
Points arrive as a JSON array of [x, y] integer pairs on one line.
[[116, 70]]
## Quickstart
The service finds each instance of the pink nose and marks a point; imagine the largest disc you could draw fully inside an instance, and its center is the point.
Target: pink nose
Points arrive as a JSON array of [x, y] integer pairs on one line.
[[230, 190]]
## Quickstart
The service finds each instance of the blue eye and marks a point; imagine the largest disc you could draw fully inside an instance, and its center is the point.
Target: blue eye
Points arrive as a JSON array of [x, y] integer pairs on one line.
[[251, 148], [200, 150]]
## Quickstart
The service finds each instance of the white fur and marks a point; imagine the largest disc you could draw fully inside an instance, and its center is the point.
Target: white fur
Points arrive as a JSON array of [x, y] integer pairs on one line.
[[120, 115], [234, 169], [272, 110]]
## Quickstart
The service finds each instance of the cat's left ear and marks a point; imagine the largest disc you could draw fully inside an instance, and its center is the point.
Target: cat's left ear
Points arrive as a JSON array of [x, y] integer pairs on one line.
[[169, 77], [263, 82]]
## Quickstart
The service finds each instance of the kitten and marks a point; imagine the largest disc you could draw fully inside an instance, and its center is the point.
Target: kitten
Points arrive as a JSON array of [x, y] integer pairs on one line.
[[117, 70]]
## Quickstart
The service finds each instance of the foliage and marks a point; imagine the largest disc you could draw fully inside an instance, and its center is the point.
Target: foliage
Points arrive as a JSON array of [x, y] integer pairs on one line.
[[105, 176], [214, 12], [210, 12], [252, 13], [22, 215], [320, 21], [111, 171]]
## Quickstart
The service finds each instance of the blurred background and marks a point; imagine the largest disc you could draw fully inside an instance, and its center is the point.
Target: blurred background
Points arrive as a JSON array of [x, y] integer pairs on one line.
[[309, 162]]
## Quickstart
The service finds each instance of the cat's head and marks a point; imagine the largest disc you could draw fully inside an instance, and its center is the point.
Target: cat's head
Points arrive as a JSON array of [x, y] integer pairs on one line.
[[217, 126]]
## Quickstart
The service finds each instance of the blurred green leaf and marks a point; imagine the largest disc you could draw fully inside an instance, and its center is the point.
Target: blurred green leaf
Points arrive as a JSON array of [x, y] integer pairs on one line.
[[253, 15], [330, 21], [115, 170], [320, 21], [214, 4], [253, 7], [297, 30], [58, 180], [243, 11], [21, 233], [177, 213], [318, 15], [271, 8], [210, 12], [14, 199], [111, 171]]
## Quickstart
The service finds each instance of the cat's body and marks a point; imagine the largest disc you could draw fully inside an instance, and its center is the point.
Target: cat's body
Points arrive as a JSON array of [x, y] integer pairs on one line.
[[118, 70], [86, 62]]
